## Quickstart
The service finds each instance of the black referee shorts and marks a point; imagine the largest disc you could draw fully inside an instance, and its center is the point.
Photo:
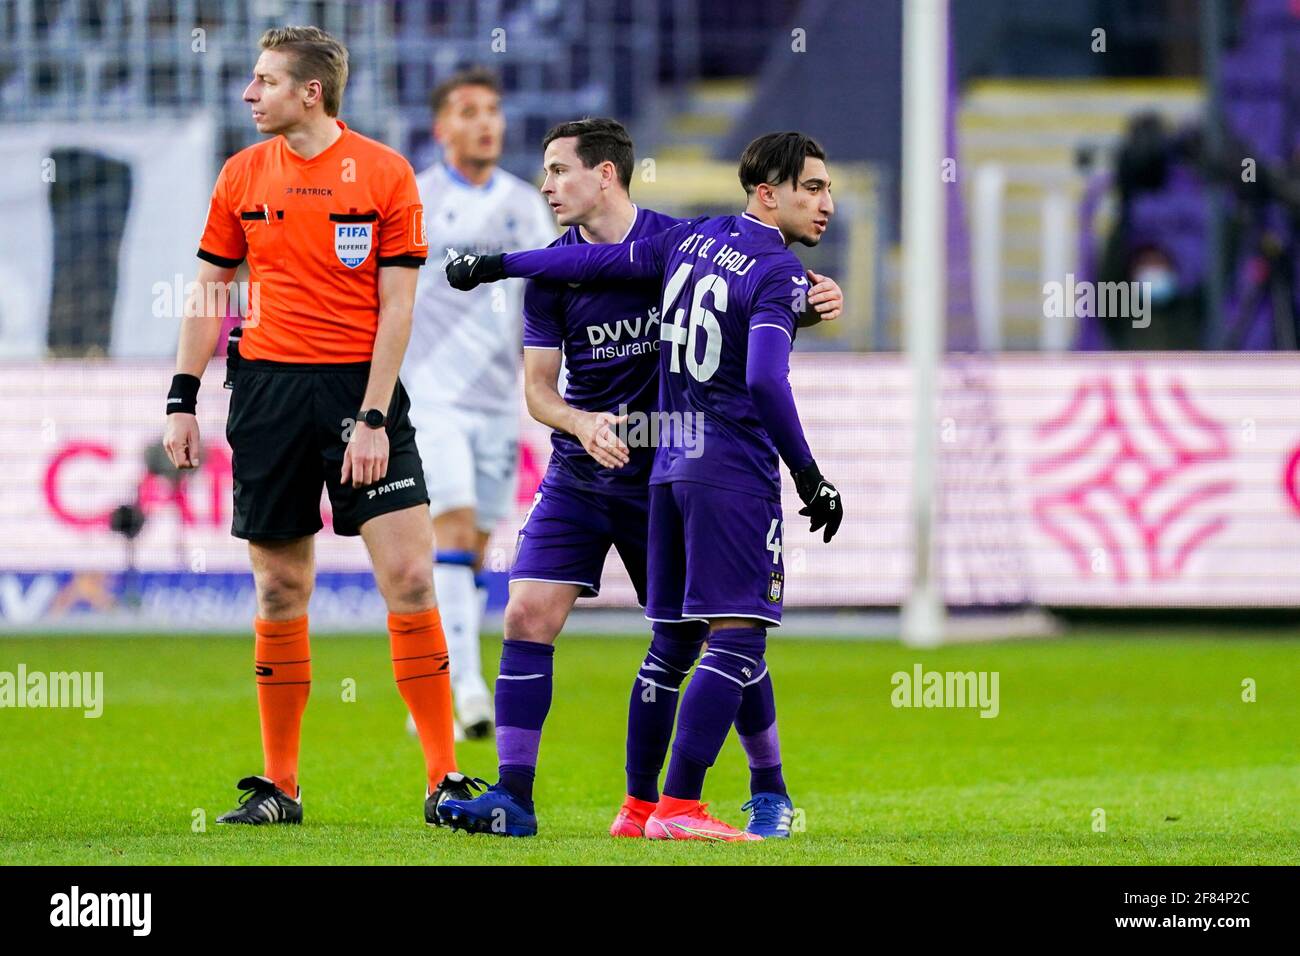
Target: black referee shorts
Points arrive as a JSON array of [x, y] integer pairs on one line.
[[288, 427]]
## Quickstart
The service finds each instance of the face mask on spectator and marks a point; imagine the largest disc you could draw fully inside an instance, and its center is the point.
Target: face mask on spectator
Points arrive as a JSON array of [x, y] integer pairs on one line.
[[1161, 283]]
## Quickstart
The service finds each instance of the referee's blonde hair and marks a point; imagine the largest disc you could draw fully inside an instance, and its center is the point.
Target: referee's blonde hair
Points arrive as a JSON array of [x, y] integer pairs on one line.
[[315, 56]]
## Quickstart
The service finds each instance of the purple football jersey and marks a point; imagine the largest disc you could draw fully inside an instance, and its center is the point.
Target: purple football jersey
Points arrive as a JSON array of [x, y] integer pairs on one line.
[[609, 332], [731, 296]]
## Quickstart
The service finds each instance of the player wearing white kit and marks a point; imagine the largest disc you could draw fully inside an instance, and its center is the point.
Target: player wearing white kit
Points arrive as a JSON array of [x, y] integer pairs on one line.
[[462, 363]]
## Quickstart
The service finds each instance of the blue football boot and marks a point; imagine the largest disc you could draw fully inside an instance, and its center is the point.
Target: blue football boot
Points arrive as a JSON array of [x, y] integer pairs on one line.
[[770, 815], [498, 812]]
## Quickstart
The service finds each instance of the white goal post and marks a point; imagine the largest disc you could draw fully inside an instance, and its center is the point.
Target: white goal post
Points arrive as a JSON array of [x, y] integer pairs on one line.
[[925, 79]]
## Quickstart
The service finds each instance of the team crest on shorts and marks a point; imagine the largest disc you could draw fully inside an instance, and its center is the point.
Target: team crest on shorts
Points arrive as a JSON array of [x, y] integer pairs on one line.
[[352, 242], [774, 587]]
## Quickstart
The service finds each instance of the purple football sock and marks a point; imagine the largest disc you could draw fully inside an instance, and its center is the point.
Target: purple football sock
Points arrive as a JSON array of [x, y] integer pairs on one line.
[[653, 705], [523, 696], [709, 706], [756, 728]]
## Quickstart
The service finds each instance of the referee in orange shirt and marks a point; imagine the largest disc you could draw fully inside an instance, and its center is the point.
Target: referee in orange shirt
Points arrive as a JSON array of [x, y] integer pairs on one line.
[[333, 230]]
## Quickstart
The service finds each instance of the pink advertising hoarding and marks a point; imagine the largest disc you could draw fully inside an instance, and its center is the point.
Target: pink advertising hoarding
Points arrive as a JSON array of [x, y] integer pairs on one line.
[[1135, 480]]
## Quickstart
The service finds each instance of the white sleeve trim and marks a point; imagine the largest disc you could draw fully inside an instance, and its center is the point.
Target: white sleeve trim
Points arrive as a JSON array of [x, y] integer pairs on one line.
[[769, 325], [544, 348]]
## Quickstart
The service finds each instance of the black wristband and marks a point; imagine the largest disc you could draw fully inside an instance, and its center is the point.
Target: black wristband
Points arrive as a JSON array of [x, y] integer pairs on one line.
[[806, 480], [492, 267], [184, 395]]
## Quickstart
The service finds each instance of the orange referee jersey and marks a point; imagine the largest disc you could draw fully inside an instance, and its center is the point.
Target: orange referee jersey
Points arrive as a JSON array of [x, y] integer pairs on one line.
[[315, 233]]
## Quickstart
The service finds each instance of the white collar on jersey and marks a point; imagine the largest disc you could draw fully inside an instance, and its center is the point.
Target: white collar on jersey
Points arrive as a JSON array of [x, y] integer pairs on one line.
[[636, 214], [455, 176], [745, 215]]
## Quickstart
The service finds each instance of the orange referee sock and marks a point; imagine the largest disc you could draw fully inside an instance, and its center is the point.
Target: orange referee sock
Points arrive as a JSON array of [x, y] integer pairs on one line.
[[423, 678], [283, 666]]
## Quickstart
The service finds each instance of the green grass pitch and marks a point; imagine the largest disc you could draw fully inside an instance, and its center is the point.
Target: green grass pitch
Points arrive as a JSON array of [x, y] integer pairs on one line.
[[1150, 729]]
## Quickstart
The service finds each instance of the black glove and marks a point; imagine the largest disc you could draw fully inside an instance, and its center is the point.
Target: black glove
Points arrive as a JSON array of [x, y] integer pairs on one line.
[[468, 271], [822, 502]]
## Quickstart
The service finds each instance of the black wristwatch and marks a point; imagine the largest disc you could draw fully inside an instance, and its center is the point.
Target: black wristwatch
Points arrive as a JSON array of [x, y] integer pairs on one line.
[[374, 418]]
